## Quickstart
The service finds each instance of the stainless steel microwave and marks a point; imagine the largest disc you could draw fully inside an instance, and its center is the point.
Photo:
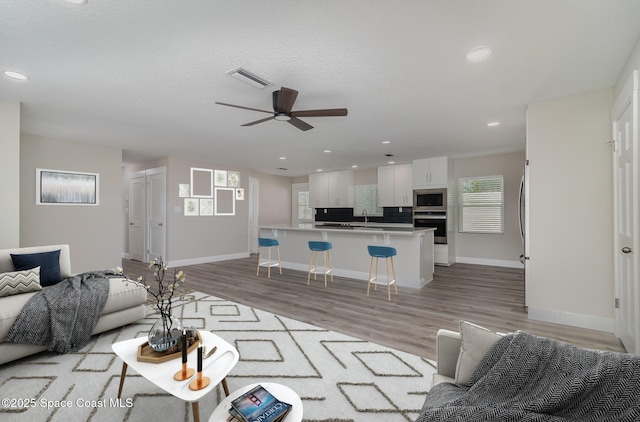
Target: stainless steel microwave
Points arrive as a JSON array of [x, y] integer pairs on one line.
[[430, 199]]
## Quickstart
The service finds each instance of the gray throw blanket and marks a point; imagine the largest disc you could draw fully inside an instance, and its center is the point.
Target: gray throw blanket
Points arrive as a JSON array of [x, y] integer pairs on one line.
[[62, 316], [529, 378]]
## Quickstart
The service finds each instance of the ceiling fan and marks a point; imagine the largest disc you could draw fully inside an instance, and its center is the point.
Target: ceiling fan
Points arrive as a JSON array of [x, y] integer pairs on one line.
[[283, 100]]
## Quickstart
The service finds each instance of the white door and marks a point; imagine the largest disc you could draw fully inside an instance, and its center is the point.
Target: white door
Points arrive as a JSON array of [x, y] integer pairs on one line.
[[137, 210], [156, 206], [254, 196], [625, 157]]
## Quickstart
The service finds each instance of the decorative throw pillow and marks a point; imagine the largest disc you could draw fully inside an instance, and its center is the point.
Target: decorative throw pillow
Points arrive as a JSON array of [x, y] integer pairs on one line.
[[49, 263], [476, 342], [17, 282]]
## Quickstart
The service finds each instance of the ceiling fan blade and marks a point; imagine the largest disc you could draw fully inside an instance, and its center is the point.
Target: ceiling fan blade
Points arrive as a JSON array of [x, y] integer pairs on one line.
[[300, 124], [283, 101], [327, 112], [258, 121], [245, 108]]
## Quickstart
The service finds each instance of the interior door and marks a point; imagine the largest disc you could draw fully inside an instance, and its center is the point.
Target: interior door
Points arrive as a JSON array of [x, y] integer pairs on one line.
[[254, 230], [137, 207], [625, 135], [156, 205]]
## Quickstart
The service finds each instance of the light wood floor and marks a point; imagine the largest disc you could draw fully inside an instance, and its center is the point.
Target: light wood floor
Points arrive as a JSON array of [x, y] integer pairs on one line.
[[489, 296]]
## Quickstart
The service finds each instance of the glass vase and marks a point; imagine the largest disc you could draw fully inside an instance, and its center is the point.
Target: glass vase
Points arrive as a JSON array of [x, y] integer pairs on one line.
[[165, 333]]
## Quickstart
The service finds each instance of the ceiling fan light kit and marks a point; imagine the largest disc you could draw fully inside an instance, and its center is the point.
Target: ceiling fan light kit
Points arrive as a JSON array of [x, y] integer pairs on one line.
[[283, 100]]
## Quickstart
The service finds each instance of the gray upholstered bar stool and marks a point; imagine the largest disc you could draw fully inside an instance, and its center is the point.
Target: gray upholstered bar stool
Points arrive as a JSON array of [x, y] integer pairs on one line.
[[386, 252], [325, 248], [264, 242]]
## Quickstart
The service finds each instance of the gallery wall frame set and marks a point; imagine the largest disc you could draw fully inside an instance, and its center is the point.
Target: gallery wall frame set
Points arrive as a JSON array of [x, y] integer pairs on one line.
[[211, 192], [62, 187]]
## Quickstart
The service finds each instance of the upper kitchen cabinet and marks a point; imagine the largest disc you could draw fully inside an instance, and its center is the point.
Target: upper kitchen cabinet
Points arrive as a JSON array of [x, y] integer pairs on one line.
[[431, 172], [331, 190], [395, 187]]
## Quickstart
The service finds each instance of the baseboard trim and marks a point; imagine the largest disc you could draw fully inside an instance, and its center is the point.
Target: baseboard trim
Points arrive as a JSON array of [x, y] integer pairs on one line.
[[490, 262], [125, 255], [207, 259], [575, 320]]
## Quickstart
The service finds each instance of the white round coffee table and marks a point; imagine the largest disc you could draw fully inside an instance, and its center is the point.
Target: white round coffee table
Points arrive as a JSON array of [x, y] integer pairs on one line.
[[282, 392]]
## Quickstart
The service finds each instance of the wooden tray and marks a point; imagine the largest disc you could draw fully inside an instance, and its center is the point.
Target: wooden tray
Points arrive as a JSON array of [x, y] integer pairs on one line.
[[147, 354]]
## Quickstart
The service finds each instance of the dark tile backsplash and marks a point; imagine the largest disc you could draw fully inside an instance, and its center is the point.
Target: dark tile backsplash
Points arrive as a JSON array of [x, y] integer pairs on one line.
[[390, 215]]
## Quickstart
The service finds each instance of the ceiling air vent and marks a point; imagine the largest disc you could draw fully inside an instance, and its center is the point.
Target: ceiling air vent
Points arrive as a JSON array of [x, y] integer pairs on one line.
[[245, 76]]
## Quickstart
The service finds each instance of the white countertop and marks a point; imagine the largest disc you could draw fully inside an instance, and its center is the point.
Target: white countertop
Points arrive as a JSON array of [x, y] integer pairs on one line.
[[371, 228]]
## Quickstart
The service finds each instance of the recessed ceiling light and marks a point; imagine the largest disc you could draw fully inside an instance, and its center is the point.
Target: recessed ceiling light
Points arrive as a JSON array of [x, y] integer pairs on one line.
[[15, 75], [478, 53], [77, 1], [283, 158], [319, 170], [354, 166], [327, 151], [492, 124], [391, 162], [386, 142]]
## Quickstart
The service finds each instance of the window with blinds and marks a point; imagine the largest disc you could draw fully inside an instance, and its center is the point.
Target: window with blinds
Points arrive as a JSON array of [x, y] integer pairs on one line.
[[481, 205], [366, 197]]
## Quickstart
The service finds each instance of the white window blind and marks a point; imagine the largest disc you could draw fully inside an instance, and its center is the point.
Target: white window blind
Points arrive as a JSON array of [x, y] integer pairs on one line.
[[304, 211], [481, 205], [366, 197]]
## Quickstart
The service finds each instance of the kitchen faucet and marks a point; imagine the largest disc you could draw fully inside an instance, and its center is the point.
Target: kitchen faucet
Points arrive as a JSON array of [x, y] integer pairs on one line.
[[364, 212]]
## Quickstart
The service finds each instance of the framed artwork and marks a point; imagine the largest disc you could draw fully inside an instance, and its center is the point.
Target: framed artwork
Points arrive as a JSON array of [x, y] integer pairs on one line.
[[233, 179], [239, 194], [58, 187], [206, 206], [201, 183], [191, 207], [183, 190], [225, 201], [221, 177]]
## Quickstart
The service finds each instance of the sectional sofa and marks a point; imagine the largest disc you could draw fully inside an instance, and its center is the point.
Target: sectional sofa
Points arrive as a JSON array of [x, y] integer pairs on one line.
[[124, 305]]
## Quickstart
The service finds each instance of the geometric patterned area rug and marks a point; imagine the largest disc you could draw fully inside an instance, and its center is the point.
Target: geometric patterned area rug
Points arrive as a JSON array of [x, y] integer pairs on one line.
[[339, 378]]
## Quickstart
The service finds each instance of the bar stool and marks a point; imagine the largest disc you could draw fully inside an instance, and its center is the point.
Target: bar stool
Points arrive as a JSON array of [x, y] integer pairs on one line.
[[388, 253], [325, 248], [264, 242]]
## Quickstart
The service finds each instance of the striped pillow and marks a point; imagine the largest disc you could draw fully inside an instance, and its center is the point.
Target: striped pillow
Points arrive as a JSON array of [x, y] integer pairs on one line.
[[17, 282]]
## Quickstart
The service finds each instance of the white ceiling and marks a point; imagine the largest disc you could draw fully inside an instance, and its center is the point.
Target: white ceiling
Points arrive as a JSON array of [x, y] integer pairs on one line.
[[144, 75]]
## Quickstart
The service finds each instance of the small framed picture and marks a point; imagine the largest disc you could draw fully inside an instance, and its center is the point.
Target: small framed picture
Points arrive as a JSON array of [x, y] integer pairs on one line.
[[191, 207], [220, 177], [206, 207], [183, 190], [239, 194]]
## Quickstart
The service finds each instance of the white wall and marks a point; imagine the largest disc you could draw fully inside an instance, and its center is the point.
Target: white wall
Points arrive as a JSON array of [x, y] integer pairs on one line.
[[92, 232], [569, 276], [10, 173], [494, 249]]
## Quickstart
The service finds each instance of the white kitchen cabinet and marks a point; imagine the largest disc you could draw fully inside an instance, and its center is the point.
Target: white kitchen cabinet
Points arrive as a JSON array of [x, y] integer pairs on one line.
[[331, 190], [430, 173], [395, 188]]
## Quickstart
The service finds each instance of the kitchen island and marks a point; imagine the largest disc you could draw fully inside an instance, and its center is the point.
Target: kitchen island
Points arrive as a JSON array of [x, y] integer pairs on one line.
[[349, 257]]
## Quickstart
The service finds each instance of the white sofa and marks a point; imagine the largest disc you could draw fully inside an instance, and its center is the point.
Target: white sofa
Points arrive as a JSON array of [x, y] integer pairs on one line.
[[485, 376], [124, 305]]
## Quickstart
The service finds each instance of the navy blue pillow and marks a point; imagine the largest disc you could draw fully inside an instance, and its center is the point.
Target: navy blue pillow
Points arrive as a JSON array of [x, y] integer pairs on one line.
[[49, 263]]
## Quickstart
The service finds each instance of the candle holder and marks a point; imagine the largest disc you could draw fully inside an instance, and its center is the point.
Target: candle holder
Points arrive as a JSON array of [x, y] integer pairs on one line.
[[184, 373], [200, 382]]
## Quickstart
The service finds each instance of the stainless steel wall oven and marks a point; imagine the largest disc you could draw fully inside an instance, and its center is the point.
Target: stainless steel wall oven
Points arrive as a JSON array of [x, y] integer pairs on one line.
[[432, 219]]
